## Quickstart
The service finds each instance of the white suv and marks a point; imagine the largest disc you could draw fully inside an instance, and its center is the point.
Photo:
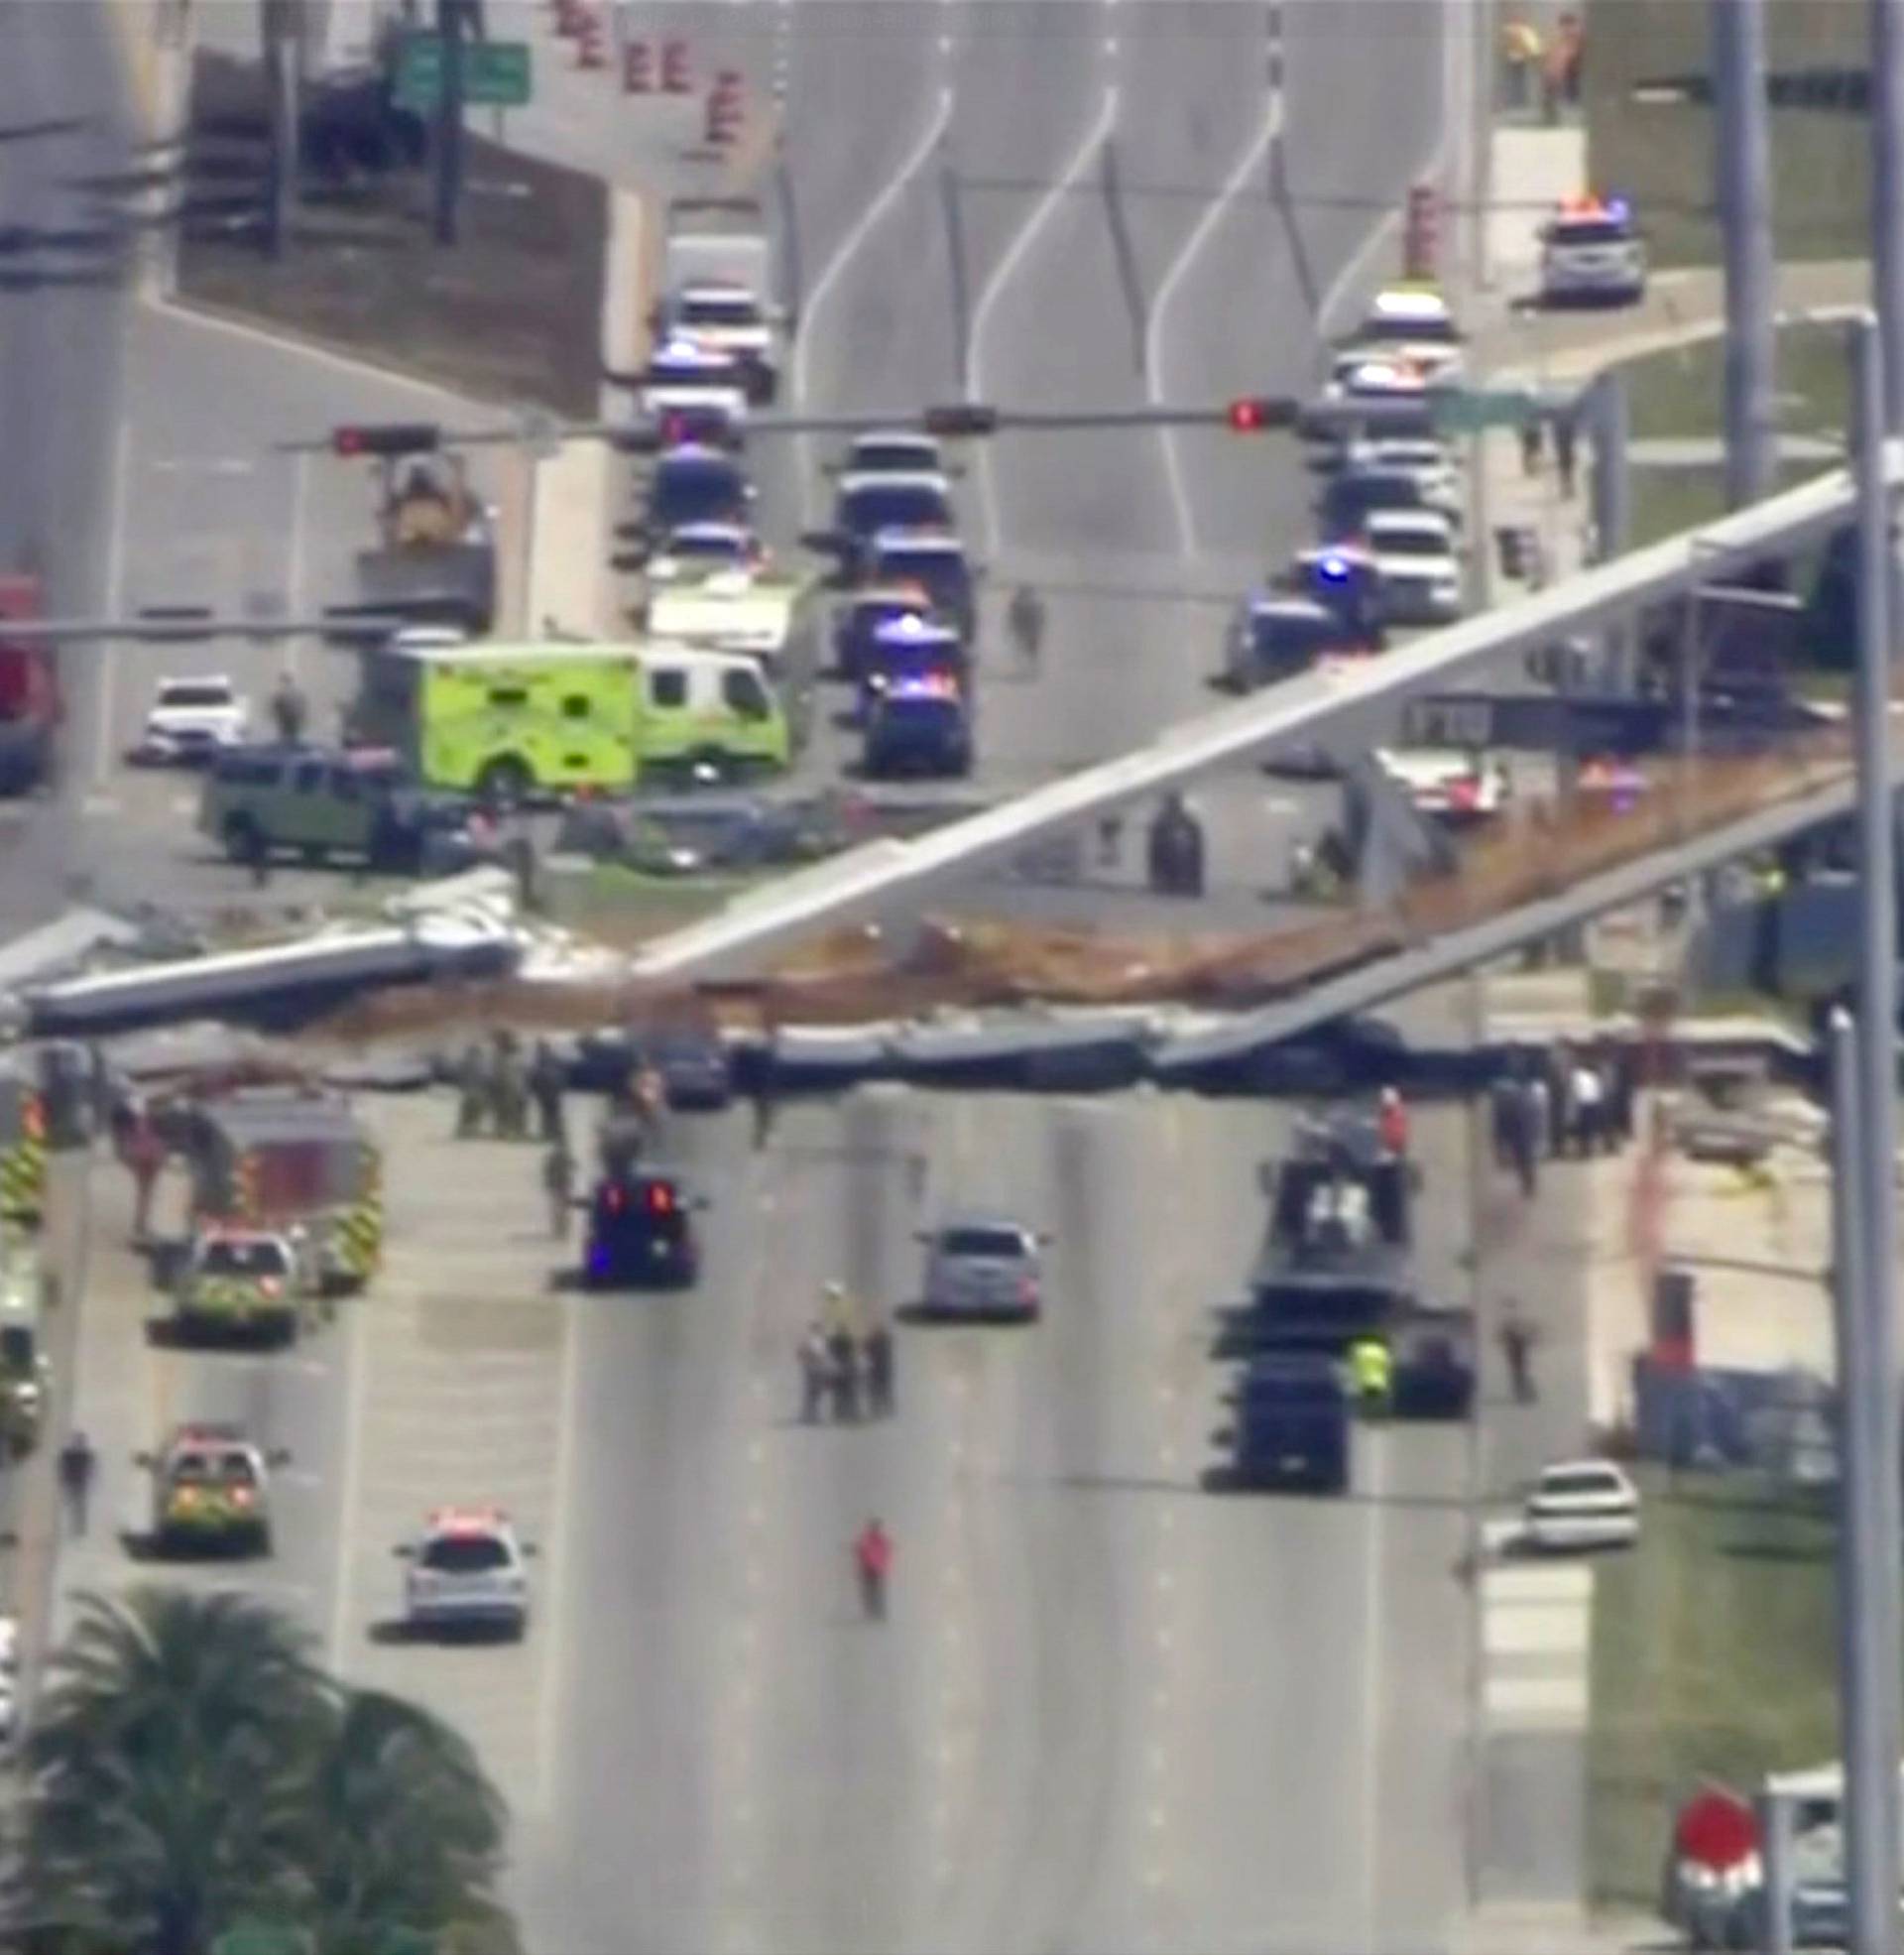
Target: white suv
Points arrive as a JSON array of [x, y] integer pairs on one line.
[[193, 718], [467, 1571]]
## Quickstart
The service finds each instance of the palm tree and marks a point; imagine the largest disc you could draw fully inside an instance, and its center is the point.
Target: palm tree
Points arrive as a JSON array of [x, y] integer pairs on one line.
[[168, 1765], [404, 1830]]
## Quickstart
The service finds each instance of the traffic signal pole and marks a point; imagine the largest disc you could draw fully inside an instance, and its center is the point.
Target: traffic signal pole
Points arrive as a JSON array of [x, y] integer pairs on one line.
[[1873, 1506], [450, 121]]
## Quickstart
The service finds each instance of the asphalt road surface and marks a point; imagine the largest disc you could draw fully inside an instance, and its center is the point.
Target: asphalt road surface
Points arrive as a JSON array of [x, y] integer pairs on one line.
[[1109, 1710]]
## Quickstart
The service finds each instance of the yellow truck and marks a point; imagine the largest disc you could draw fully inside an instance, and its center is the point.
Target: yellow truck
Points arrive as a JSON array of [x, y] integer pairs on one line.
[[23, 1147], [507, 721]]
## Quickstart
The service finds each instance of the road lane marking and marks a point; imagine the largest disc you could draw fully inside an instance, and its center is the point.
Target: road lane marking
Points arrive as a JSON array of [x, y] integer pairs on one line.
[[104, 697], [1372, 1694], [1042, 212], [344, 1602], [295, 566], [835, 268], [562, 1522], [1204, 230]]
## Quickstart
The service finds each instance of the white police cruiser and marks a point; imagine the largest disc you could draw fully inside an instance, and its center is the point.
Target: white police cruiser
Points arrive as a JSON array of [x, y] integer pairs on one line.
[[467, 1570], [1591, 253]]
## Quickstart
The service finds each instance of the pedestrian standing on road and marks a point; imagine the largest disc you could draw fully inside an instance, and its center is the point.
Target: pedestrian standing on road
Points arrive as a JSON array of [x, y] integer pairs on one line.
[[1504, 1108], [1523, 1141], [545, 1082], [146, 1158], [1392, 1123], [877, 1349], [1589, 1103], [77, 1462], [1560, 1105], [289, 712], [512, 1089], [1025, 621], [472, 1091], [558, 1183], [1517, 1340], [1566, 457], [1621, 1090], [842, 1366], [1530, 447], [816, 1374], [1540, 1115]]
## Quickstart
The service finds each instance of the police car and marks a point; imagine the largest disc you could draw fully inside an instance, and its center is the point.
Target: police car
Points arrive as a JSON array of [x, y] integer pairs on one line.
[[934, 560], [869, 504], [1277, 635], [859, 619], [1347, 581], [1415, 552], [910, 647], [894, 451], [919, 725], [696, 484], [642, 1234], [210, 1491], [687, 379], [467, 1570], [727, 318], [694, 551], [1591, 253], [1412, 323]]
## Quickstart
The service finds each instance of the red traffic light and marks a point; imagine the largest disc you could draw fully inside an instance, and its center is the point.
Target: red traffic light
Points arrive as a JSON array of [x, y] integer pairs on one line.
[[1258, 412], [962, 418], [399, 437]]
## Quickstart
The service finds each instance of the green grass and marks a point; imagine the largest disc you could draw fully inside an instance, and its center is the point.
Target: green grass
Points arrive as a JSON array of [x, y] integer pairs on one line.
[[619, 905], [1661, 154], [1680, 395], [1712, 1657]]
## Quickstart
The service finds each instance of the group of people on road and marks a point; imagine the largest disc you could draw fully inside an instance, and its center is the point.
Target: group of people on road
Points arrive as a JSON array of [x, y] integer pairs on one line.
[[1578, 1102], [841, 1375], [498, 1085]]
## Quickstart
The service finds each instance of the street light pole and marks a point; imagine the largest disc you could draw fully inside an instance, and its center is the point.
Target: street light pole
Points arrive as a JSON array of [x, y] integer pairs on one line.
[[1746, 218], [1880, 1717], [1887, 198]]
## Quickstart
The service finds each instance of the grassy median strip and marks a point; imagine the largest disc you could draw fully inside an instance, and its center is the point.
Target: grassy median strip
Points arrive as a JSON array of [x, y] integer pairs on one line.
[[1714, 1657]]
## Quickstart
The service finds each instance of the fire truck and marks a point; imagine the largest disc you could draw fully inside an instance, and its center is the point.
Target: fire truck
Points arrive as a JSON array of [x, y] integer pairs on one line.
[[30, 710]]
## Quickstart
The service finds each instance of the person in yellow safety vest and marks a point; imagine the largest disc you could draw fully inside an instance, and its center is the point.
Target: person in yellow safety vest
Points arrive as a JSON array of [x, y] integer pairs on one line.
[[1372, 1372], [1521, 50]]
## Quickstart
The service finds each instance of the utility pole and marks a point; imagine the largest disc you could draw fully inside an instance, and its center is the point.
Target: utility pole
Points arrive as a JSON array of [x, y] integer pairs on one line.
[[449, 120], [284, 84], [1887, 198], [1873, 1497], [1610, 422], [1744, 197]]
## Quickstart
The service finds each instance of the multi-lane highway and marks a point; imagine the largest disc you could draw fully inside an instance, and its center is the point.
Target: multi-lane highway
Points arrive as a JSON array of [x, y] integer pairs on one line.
[[1110, 1710]]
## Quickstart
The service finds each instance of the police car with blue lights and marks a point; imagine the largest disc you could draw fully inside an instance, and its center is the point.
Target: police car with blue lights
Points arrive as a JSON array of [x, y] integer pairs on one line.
[[467, 1571], [910, 647], [686, 383], [858, 620], [1282, 634], [1592, 252], [935, 561], [1347, 581], [642, 1234], [919, 725]]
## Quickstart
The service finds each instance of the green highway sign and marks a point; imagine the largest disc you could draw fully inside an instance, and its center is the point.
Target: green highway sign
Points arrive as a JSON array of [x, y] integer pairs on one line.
[[495, 73], [1470, 412]]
